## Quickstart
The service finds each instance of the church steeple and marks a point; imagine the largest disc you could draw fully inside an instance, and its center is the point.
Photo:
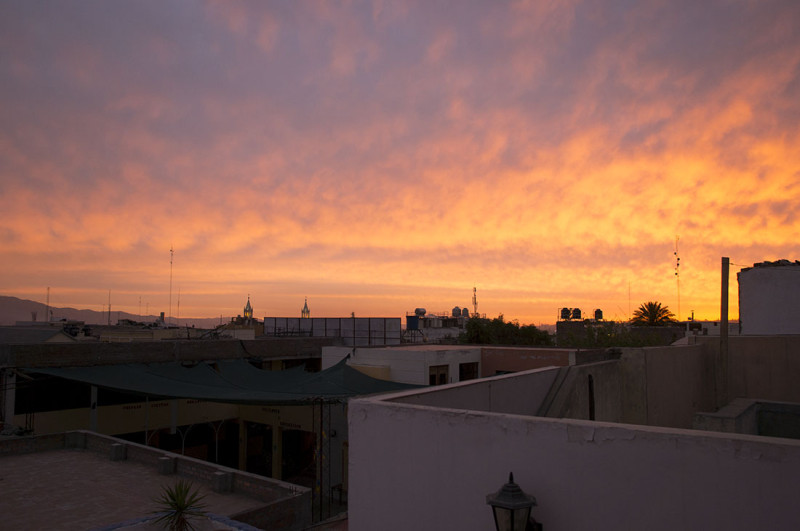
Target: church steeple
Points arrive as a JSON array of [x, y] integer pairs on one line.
[[305, 313], [248, 310]]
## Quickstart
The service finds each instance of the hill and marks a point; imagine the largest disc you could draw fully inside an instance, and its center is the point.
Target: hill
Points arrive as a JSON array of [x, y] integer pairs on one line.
[[13, 309]]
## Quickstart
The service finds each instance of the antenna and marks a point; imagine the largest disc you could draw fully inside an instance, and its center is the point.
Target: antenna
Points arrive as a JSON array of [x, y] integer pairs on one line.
[[179, 307], [474, 301], [47, 307], [677, 275], [169, 317], [140, 306], [109, 307]]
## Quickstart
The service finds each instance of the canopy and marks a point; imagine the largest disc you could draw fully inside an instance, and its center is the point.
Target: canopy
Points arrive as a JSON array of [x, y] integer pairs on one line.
[[234, 381]]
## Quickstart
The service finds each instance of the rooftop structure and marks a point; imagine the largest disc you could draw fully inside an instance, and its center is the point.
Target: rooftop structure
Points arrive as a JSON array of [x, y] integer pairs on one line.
[[82, 480], [768, 298], [617, 444]]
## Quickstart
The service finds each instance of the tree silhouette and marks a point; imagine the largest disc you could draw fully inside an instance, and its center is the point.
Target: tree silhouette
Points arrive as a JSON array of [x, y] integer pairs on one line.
[[652, 313], [498, 331]]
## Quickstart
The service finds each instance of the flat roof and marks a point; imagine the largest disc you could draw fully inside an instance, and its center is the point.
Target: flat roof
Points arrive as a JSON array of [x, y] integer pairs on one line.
[[81, 489]]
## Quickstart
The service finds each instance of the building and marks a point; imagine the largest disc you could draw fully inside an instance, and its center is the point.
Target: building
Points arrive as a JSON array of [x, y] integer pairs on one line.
[[431, 364], [614, 444], [442, 327], [248, 405], [768, 298], [349, 331]]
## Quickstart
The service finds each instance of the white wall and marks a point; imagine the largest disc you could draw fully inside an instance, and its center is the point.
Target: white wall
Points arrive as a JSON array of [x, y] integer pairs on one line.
[[422, 467], [769, 300]]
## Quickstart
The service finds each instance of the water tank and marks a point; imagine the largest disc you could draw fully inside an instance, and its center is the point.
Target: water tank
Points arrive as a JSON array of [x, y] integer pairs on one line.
[[419, 312], [598, 315], [576, 313], [565, 314], [465, 312], [457, 312]]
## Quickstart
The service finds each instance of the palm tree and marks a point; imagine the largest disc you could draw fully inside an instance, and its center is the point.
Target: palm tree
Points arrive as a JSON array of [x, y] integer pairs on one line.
[[652, 314], [178, 505]]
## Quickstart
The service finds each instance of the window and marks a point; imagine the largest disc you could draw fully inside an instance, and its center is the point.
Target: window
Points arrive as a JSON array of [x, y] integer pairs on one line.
[[467, 371], [438, 374]]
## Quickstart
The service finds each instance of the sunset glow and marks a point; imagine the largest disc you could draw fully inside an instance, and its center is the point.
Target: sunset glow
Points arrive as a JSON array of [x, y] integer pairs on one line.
[[381, 156]]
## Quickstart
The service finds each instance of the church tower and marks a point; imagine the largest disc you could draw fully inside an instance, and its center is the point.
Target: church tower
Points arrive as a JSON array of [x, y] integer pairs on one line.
[[248, 311], [305, 313]]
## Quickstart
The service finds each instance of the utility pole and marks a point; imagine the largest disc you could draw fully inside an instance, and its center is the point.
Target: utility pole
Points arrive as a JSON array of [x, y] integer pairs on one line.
[[169, 316], [677, 275], [722, 359]]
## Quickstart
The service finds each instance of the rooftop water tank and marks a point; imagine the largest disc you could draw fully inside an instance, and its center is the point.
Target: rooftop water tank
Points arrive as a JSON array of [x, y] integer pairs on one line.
[[565, 314], [598, 315], [419, 312], [457, 311], [465, 312], [576, 313]]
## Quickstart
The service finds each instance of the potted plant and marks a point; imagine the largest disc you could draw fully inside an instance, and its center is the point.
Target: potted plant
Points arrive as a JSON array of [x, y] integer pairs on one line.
[[178, 505]]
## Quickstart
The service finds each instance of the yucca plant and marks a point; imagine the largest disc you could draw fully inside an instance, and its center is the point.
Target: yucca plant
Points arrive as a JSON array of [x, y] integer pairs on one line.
[[178, 505]]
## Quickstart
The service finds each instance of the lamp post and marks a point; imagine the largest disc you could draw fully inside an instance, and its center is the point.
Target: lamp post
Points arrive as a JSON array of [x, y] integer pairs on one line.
[[512, 508]]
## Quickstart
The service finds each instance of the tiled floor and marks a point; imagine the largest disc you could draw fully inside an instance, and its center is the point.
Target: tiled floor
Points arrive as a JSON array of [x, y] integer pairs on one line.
[[74, 489]]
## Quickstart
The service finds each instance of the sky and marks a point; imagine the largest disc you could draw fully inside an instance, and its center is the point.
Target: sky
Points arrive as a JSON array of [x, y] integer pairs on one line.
[[380, 156]]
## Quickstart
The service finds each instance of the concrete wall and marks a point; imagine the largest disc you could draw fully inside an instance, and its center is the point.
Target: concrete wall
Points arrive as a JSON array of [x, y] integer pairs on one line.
[[406, 364], [428, 468], [656, 386], [760, 367], [522, 394], [497, 360], [679, 382], [768, 299]]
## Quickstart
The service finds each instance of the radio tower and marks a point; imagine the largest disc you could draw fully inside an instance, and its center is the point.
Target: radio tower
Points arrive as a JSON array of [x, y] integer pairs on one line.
[[169, 316], [677, 275], [474, 301]]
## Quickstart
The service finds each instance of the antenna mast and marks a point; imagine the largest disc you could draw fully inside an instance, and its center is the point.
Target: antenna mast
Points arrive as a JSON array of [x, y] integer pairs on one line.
[[169, 316], [474, 301], [677, 275], [47, 307]]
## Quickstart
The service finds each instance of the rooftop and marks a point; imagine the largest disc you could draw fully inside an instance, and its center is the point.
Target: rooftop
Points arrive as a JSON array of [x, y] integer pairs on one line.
[[84, 488]]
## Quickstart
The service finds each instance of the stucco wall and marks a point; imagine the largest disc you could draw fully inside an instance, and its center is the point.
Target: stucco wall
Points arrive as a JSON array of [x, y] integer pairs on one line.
[[421, 467]]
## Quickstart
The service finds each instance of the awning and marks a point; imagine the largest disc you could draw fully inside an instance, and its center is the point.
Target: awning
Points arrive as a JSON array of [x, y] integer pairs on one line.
[[233, 381]]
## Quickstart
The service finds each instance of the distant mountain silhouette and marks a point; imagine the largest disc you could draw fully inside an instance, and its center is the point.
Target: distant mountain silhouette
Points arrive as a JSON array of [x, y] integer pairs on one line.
[[13, 309]]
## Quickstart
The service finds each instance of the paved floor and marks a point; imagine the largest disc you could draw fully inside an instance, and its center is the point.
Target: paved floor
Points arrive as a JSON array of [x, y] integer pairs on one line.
[[74, 489]]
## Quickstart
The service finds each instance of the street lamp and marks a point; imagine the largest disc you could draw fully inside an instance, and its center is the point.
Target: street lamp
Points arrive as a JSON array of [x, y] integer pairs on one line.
[[512, 508]]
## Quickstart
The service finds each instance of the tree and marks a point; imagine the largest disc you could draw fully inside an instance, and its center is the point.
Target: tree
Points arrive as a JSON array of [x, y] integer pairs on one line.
[[179, 504], [500, 332], [652, 314]]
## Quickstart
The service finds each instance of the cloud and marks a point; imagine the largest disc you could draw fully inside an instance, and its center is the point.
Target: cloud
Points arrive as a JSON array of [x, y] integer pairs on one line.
[[542, 150]]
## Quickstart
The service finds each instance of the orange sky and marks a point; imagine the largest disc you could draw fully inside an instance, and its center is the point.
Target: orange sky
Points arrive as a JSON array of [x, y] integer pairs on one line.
[[382, 156]]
